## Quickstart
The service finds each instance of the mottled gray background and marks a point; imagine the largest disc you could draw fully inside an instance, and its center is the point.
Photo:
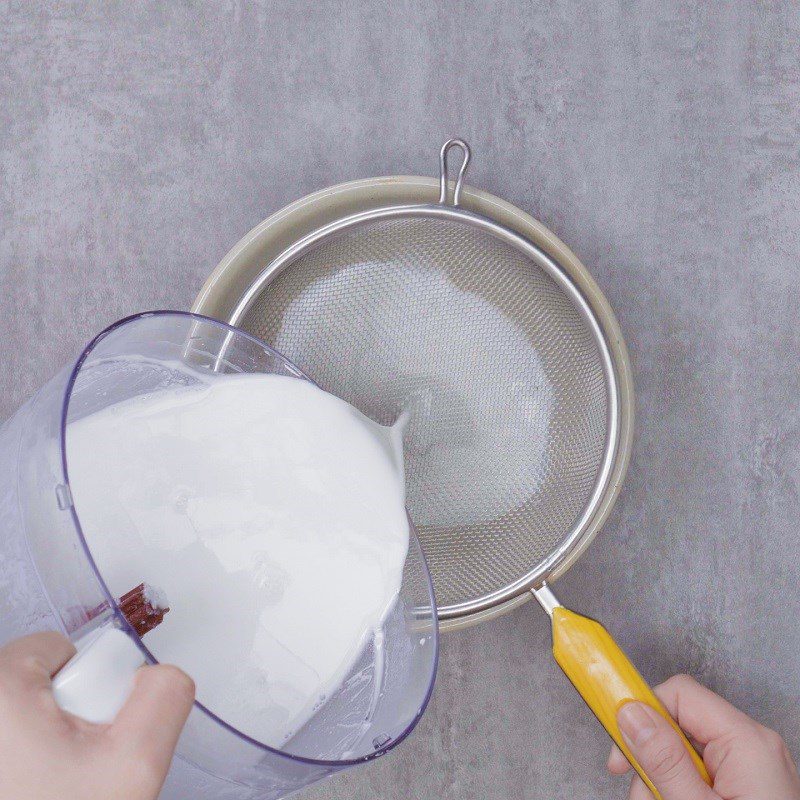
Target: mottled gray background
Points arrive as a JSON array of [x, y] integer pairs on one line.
[[659, 140]]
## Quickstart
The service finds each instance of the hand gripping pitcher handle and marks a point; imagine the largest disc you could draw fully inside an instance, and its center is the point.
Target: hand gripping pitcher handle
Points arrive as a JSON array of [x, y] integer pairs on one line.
[[95, 683]]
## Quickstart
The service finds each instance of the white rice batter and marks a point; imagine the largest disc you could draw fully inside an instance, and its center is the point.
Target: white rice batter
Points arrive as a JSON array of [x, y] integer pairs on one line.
[[271, 513]]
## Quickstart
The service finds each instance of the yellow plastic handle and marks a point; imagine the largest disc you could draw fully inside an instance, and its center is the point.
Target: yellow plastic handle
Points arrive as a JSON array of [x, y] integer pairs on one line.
[[606, 680]]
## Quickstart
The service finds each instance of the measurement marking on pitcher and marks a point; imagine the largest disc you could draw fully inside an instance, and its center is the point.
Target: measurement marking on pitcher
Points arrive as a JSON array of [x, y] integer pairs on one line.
[[63, 496]]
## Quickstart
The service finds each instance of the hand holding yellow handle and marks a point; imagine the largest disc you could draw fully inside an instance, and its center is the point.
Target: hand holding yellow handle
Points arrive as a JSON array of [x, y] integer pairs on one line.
[[606, 680]]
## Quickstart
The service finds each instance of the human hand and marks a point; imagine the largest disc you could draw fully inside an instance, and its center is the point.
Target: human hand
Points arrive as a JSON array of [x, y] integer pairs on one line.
[[746, 761], [46, 753]]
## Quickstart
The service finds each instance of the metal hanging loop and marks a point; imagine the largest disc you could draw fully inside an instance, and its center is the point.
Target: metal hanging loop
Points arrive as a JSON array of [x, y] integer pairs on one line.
[[443, 179]]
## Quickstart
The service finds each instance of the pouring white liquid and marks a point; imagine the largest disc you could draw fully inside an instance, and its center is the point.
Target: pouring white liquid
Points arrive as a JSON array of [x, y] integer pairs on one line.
[[271, 513]]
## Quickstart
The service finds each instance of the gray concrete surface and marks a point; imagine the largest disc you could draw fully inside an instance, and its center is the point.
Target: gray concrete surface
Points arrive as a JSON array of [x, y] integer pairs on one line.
[[660, 140]]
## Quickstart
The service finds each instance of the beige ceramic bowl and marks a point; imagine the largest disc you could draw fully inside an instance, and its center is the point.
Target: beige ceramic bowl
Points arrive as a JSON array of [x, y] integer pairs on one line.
[[242, 265]]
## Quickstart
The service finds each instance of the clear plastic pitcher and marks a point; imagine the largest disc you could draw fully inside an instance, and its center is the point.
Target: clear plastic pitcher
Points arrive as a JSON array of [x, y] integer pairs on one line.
[[49, 580]]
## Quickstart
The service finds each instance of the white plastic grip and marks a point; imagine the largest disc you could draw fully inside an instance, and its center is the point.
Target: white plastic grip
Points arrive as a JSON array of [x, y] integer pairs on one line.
[[95, 683]]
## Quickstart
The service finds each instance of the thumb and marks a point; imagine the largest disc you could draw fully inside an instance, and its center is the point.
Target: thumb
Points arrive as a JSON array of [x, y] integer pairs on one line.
[[147, 727], [661, 754]]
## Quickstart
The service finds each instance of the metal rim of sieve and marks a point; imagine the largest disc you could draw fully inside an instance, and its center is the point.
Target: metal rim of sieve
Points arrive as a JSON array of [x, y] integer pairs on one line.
[[616, 450]]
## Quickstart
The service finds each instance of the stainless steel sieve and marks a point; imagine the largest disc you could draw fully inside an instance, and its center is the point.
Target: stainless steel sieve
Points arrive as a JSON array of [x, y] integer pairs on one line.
[[516, 381], [361, 303]]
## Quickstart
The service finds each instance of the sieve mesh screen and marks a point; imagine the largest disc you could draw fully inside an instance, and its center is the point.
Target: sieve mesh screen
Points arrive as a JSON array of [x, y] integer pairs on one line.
[[499, 371]]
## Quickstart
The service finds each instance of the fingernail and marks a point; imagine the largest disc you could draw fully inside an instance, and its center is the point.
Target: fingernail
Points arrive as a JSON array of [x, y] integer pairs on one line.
[[635, 723]]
